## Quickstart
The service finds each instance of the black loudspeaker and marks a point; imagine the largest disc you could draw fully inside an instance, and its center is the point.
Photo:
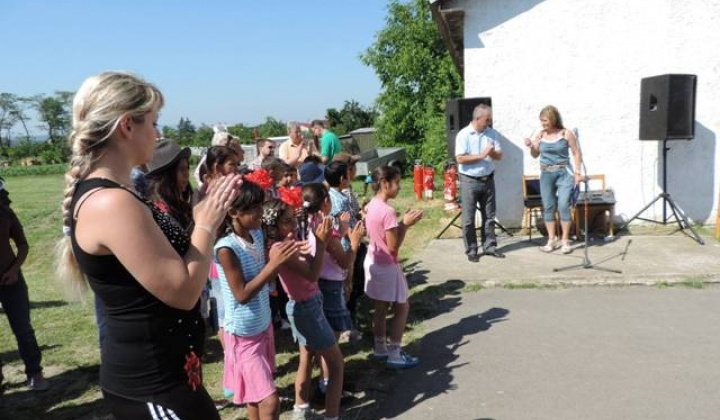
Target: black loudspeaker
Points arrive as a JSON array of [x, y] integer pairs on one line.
[[458, 114], [667, 107]]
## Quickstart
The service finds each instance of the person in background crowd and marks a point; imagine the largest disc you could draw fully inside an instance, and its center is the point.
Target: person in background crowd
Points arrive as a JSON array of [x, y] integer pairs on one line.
[[329, 143], [289, 176], [223, 138], [476, 150], [276, 168], [14, 293], [357, 274], [296, 149], [169, 182], [138, 179], [553, 144], [265, 148], [147, 271], [311, 171]]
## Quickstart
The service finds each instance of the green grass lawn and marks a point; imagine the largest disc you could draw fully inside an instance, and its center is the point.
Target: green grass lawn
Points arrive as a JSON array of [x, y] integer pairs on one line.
[[67, 333]]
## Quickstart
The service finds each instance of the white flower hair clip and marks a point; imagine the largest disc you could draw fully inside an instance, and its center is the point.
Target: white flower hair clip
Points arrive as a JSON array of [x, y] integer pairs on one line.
[[270, 216]]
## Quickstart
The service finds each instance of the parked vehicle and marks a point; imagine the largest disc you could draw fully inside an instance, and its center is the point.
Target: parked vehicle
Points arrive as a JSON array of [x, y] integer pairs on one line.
[[393, 156]]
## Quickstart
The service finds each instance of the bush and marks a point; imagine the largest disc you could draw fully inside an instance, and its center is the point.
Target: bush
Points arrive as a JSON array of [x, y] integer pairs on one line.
[[47, 153]]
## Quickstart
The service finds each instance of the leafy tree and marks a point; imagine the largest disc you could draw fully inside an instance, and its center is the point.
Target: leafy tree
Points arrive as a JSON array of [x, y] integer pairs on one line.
[[185, 132], [203, 136], [54, 114], [19, 114], [417, 77], [242, 131], [272, 128], [12, 111], [169, 133], [8, 102], [350, 117]]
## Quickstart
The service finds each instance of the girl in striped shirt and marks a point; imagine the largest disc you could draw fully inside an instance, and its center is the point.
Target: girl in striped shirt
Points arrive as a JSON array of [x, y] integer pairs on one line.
[[244, 273]]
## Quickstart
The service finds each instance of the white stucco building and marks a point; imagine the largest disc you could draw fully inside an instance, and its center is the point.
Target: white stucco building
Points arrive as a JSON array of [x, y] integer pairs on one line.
[[587, 58]]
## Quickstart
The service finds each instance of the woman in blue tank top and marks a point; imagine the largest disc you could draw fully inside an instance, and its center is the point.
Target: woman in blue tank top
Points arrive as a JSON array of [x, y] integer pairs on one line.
[[553, 145]]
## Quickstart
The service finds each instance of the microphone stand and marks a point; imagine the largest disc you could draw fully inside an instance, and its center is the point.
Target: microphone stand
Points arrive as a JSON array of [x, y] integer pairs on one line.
[[586, 263]]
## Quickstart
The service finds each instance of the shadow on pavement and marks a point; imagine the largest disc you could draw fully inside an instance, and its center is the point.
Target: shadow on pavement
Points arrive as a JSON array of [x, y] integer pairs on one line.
[[397, 392]]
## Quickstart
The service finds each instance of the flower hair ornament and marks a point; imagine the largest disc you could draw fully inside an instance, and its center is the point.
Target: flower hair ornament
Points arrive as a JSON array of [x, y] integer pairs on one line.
[[292, 196], [270, 216], [261, 177]]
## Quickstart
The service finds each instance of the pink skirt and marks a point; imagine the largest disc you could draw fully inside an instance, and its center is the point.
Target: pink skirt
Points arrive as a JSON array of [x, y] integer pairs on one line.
[[385, 282], [249, 366]]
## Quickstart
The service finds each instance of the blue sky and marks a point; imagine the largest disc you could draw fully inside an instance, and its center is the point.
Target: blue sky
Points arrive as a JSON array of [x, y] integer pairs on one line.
[[215, 61]]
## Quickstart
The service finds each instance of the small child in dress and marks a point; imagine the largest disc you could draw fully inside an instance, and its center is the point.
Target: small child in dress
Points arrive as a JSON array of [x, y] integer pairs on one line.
[[244, 274], [299, 277], [385, 282]]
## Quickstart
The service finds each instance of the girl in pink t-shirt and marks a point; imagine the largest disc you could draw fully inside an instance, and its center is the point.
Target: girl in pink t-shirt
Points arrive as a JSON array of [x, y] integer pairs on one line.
[[385, 282], [299, 277]]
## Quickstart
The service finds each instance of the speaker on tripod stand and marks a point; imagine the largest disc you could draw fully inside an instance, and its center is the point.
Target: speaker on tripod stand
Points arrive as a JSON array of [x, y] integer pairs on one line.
[[667, 112]]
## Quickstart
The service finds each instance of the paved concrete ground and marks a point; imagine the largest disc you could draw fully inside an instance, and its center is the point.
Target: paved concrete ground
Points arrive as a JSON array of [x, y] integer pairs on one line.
[[564, 353], [578, 353], [642, 260]]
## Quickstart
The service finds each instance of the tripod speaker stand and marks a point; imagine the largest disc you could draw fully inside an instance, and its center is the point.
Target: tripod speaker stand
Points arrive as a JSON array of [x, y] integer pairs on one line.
[[454, 219], [587, 264], [680, 217]]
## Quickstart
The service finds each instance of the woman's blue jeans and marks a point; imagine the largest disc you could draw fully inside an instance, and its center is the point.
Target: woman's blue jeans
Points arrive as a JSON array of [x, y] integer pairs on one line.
[[555, 189]]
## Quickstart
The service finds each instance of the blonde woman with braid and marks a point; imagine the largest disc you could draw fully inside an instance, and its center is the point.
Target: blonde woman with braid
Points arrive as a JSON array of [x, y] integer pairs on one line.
[[147, 272]]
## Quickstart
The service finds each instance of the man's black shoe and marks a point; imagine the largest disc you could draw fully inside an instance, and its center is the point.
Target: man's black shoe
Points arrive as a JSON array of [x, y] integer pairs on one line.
[[496, 254], [473, 257]]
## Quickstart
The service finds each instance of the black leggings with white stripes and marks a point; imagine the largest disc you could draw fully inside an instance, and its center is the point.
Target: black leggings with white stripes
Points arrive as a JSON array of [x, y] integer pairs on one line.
[[180, 403]]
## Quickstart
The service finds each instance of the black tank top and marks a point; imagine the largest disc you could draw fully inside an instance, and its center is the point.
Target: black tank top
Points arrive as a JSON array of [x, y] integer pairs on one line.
[[148, 344]]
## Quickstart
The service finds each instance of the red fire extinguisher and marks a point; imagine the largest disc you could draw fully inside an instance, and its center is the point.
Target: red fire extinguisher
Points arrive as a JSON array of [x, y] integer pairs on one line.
[[418, 179], [428, 182], [450, 187]]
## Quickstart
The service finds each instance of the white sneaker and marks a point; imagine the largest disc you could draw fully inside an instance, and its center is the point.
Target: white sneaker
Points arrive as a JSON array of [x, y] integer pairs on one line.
[[305, 414]]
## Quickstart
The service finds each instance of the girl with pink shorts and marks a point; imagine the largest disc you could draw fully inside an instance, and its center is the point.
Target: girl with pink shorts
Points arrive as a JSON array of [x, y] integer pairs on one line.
[[244, 273]]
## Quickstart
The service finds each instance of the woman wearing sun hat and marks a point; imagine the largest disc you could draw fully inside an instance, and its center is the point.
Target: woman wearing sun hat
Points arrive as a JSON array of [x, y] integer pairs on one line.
[[169, 182]]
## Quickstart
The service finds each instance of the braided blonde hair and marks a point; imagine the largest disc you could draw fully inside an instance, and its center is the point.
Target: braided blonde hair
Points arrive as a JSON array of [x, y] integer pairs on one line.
[[99, 105]]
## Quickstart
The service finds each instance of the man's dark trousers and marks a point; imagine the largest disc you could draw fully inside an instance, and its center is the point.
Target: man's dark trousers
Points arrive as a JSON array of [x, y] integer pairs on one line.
[[478, 194]]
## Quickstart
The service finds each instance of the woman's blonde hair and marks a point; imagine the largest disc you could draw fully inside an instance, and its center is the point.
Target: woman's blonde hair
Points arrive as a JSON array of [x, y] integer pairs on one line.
[[98, 107], [553, 115]]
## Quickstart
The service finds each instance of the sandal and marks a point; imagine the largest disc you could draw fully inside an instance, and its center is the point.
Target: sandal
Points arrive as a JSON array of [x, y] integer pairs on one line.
[[565, 249]]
